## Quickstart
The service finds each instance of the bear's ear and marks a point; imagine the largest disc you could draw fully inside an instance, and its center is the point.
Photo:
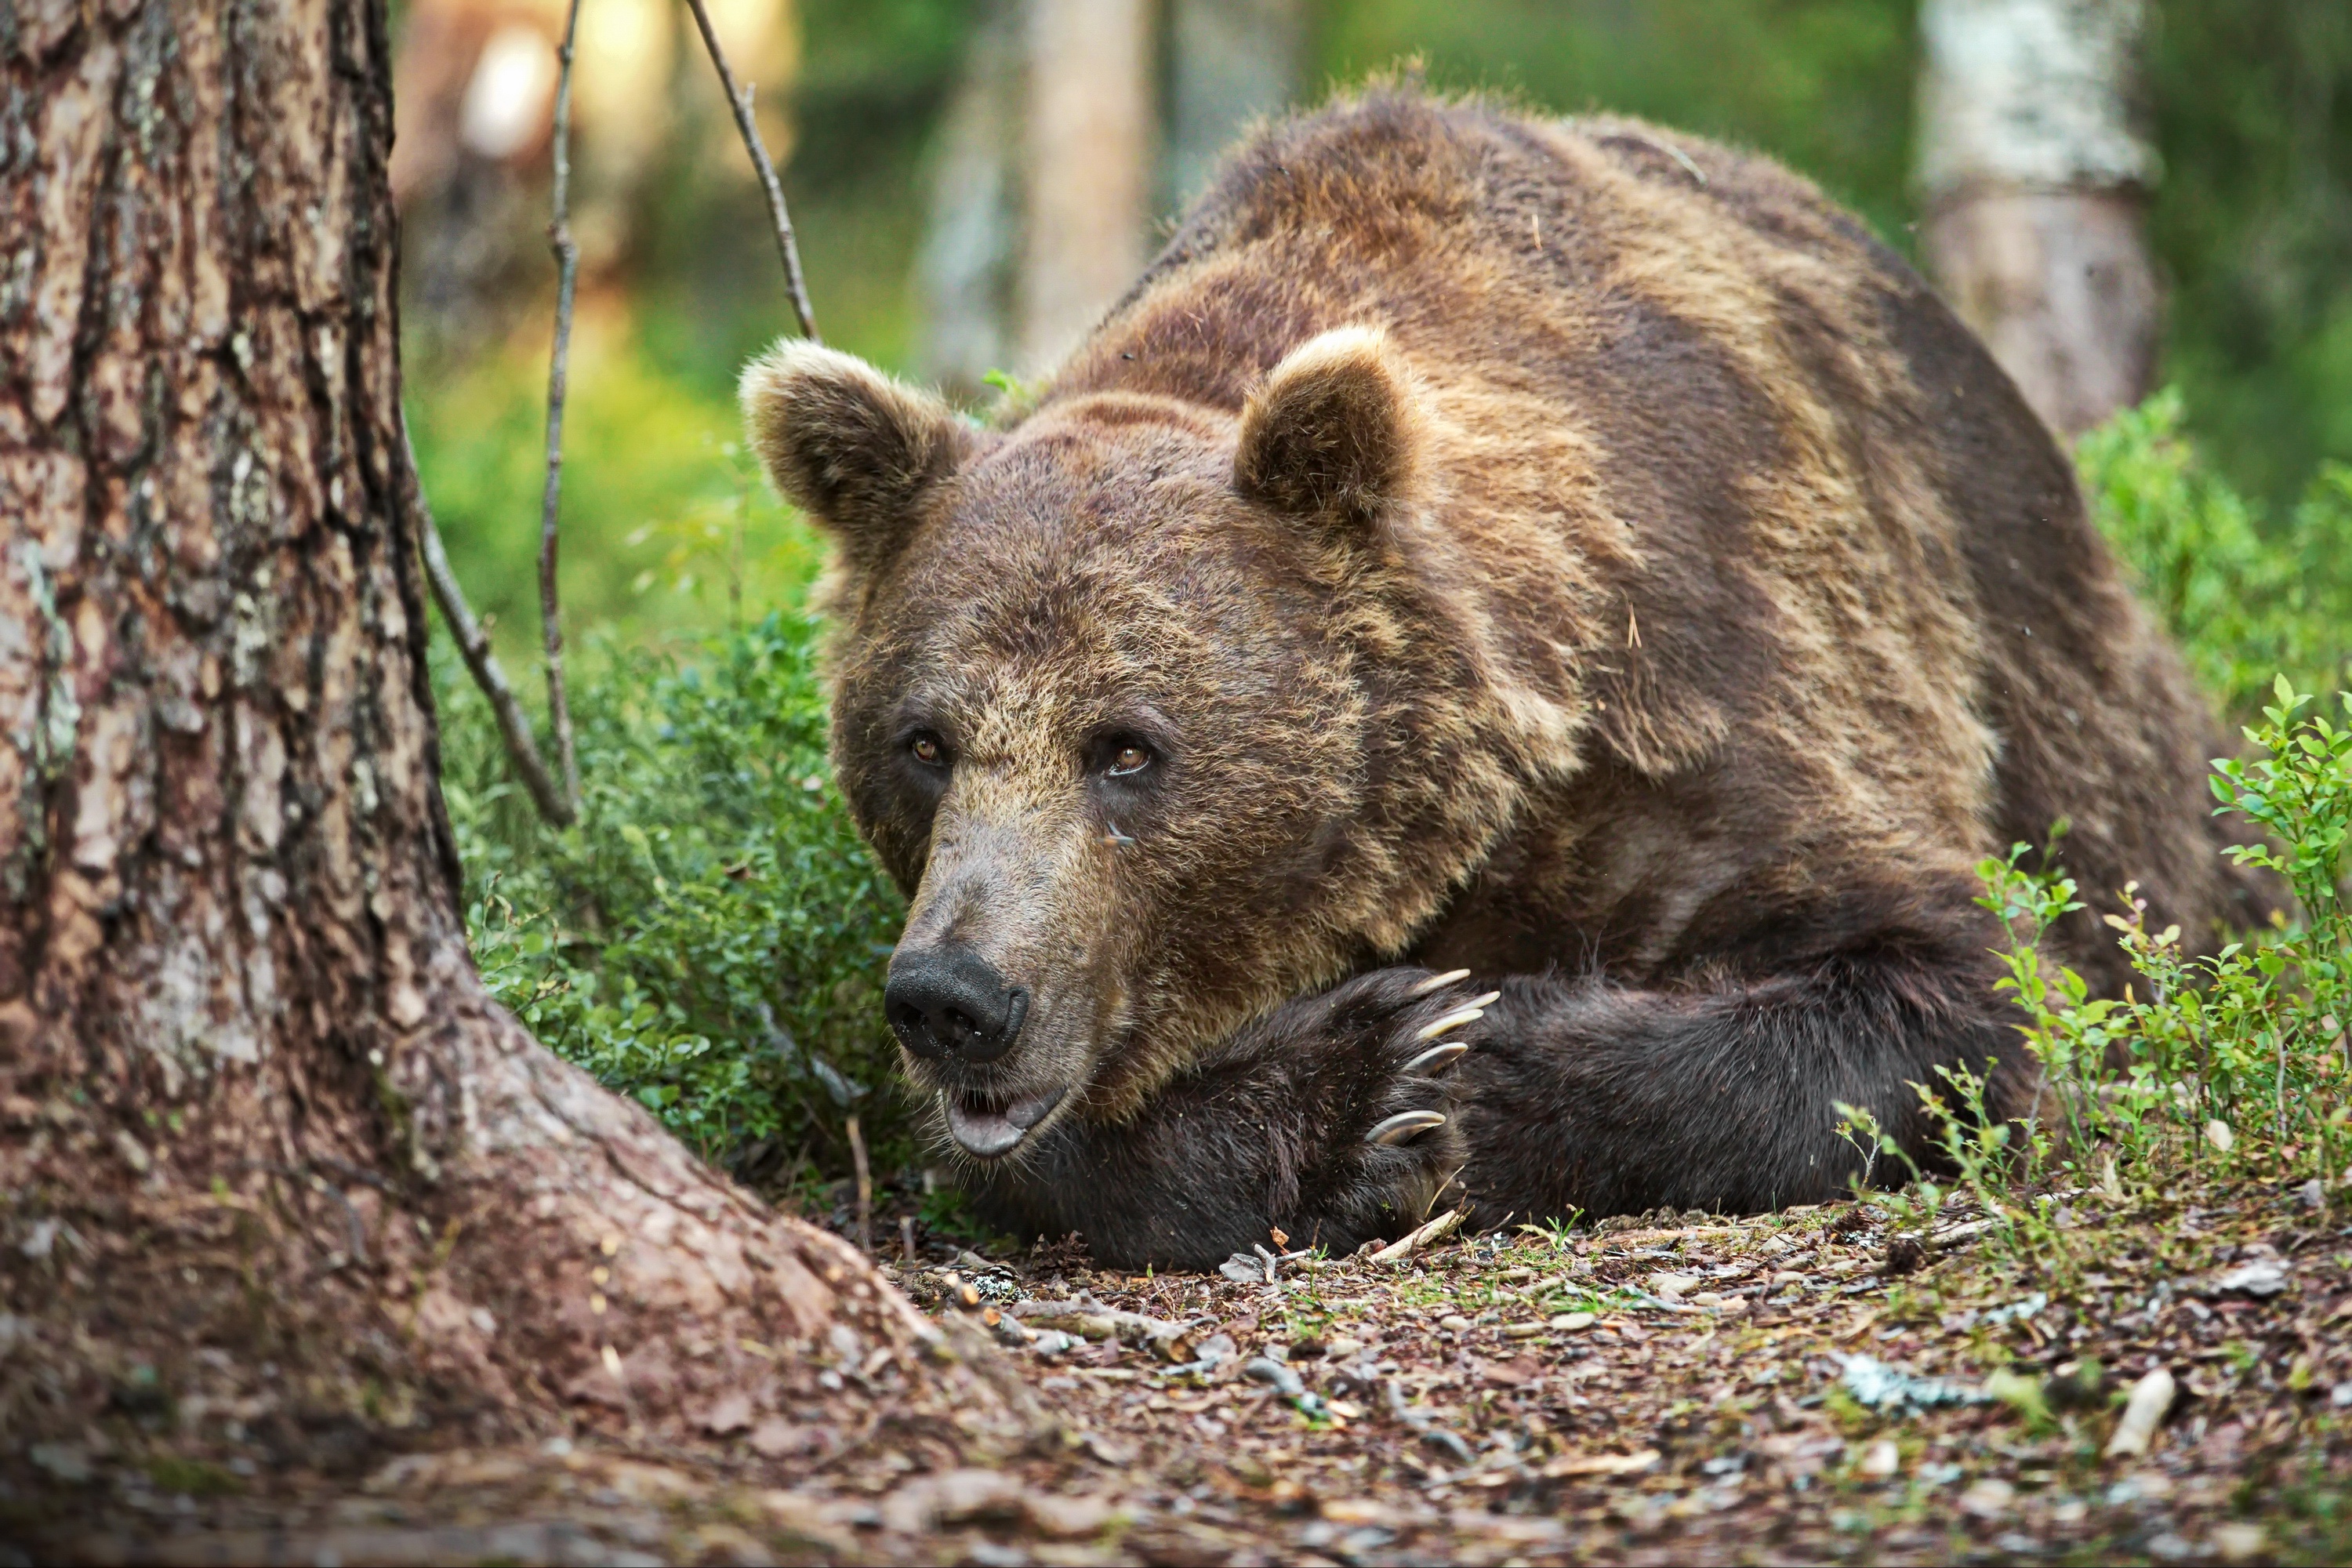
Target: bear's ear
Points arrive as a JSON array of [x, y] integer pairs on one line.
[[851, 447], [1333, 432]]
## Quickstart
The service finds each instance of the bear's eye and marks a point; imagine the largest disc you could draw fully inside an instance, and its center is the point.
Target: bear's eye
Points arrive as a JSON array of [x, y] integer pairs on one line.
[[1129, 759], [928, 749]]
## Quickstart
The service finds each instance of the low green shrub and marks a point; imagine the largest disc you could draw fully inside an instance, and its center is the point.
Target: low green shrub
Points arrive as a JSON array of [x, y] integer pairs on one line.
[[711, 938]]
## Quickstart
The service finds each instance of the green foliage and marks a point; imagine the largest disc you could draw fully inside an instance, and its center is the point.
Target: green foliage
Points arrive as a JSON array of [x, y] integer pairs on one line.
[[2251, 223], [2240, 1057], [711, 938], [2300, 793], [2244, 606], [663, 514]]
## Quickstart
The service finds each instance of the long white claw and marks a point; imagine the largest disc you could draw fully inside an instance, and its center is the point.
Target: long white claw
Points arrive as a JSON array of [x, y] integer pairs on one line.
[[1438, 1058], [1405, 1127], [1437, 982], [1469, 1012]]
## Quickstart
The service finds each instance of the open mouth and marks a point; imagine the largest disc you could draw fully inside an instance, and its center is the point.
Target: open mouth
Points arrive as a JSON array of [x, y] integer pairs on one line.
[[988, 1129]]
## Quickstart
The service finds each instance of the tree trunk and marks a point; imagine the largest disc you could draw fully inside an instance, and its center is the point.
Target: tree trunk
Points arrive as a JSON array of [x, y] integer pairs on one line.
[[1230, 62], [269, 1154], [1088, 175], [2035, 176], [968, 273]]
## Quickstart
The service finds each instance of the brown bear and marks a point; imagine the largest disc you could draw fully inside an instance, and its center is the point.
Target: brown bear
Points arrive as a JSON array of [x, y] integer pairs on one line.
[[1491, 667]]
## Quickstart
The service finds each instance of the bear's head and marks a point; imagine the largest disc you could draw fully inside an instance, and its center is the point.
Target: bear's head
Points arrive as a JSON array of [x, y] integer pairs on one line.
[[1127, 700]]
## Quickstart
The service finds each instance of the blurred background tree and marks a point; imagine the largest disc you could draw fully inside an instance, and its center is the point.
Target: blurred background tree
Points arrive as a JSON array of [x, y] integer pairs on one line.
[[2034, 167]]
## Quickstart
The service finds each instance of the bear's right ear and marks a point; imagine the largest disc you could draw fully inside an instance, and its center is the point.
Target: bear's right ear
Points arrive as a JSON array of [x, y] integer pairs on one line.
[[1334, 432], [851, 447]]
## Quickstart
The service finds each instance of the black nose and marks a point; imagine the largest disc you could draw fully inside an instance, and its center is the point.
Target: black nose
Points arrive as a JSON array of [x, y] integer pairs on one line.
[[949, 1001]]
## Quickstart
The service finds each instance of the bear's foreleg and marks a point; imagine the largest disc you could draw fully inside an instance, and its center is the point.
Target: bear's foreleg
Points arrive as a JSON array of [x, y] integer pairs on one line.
[[1333, 1118], [1608, 1100]]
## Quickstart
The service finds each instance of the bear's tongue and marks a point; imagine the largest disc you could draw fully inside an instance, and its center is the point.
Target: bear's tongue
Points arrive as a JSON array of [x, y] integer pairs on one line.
[[989, 1131]]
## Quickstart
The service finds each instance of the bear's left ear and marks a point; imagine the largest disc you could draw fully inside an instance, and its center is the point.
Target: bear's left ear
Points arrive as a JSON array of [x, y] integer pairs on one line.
[[856, 449], [1333, 432]]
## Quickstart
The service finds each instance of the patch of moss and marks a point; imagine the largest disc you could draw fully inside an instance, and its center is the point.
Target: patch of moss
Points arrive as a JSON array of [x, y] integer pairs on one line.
[[192, 1478]]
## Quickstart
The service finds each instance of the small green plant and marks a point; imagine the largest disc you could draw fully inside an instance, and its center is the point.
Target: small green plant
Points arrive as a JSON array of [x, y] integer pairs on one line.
[[2299, 792], [1014, 397], [2224, 1065]]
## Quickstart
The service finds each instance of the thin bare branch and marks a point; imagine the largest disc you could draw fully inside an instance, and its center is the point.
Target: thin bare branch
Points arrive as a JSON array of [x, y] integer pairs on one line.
[[865, 1188], [562, 805], [474, 648], [567, 272], [738, 99]]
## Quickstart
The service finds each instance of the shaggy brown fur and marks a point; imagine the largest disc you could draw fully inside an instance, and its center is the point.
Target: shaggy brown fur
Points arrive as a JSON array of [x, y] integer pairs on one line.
[[1562, 550]]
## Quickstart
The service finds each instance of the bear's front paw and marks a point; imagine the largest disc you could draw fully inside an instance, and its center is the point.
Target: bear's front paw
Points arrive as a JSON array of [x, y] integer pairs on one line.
[[1380, 1135], [1428, 1049]]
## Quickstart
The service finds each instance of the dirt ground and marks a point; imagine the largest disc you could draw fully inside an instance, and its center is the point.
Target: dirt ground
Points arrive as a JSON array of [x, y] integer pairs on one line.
[[1672, 1389]]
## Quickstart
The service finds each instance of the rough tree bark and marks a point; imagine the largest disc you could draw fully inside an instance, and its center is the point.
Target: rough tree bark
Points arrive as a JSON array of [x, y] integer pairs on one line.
[[2035, 176], [269, 1153]]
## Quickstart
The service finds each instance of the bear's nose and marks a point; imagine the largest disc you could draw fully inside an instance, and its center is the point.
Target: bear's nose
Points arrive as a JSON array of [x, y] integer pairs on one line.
[[950, 1002]]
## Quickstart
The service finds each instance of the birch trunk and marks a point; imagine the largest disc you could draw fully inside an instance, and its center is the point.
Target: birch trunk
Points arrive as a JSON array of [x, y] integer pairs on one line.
[[261, 1131], [2035, 174]]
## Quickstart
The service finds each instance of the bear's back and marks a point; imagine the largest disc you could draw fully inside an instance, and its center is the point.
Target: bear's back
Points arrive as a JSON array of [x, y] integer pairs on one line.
[[1745, 531]]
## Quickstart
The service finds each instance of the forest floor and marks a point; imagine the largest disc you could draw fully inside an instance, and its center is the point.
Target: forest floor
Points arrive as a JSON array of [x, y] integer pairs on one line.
[[1666, 1390]]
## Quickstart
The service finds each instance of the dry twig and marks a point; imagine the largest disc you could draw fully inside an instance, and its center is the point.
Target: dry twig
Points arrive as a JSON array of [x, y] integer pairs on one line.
[[1403, 1252], [560, 805], [1084, 1315], [567, 272], [865, 1187], [738, 99], [474, 648]]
